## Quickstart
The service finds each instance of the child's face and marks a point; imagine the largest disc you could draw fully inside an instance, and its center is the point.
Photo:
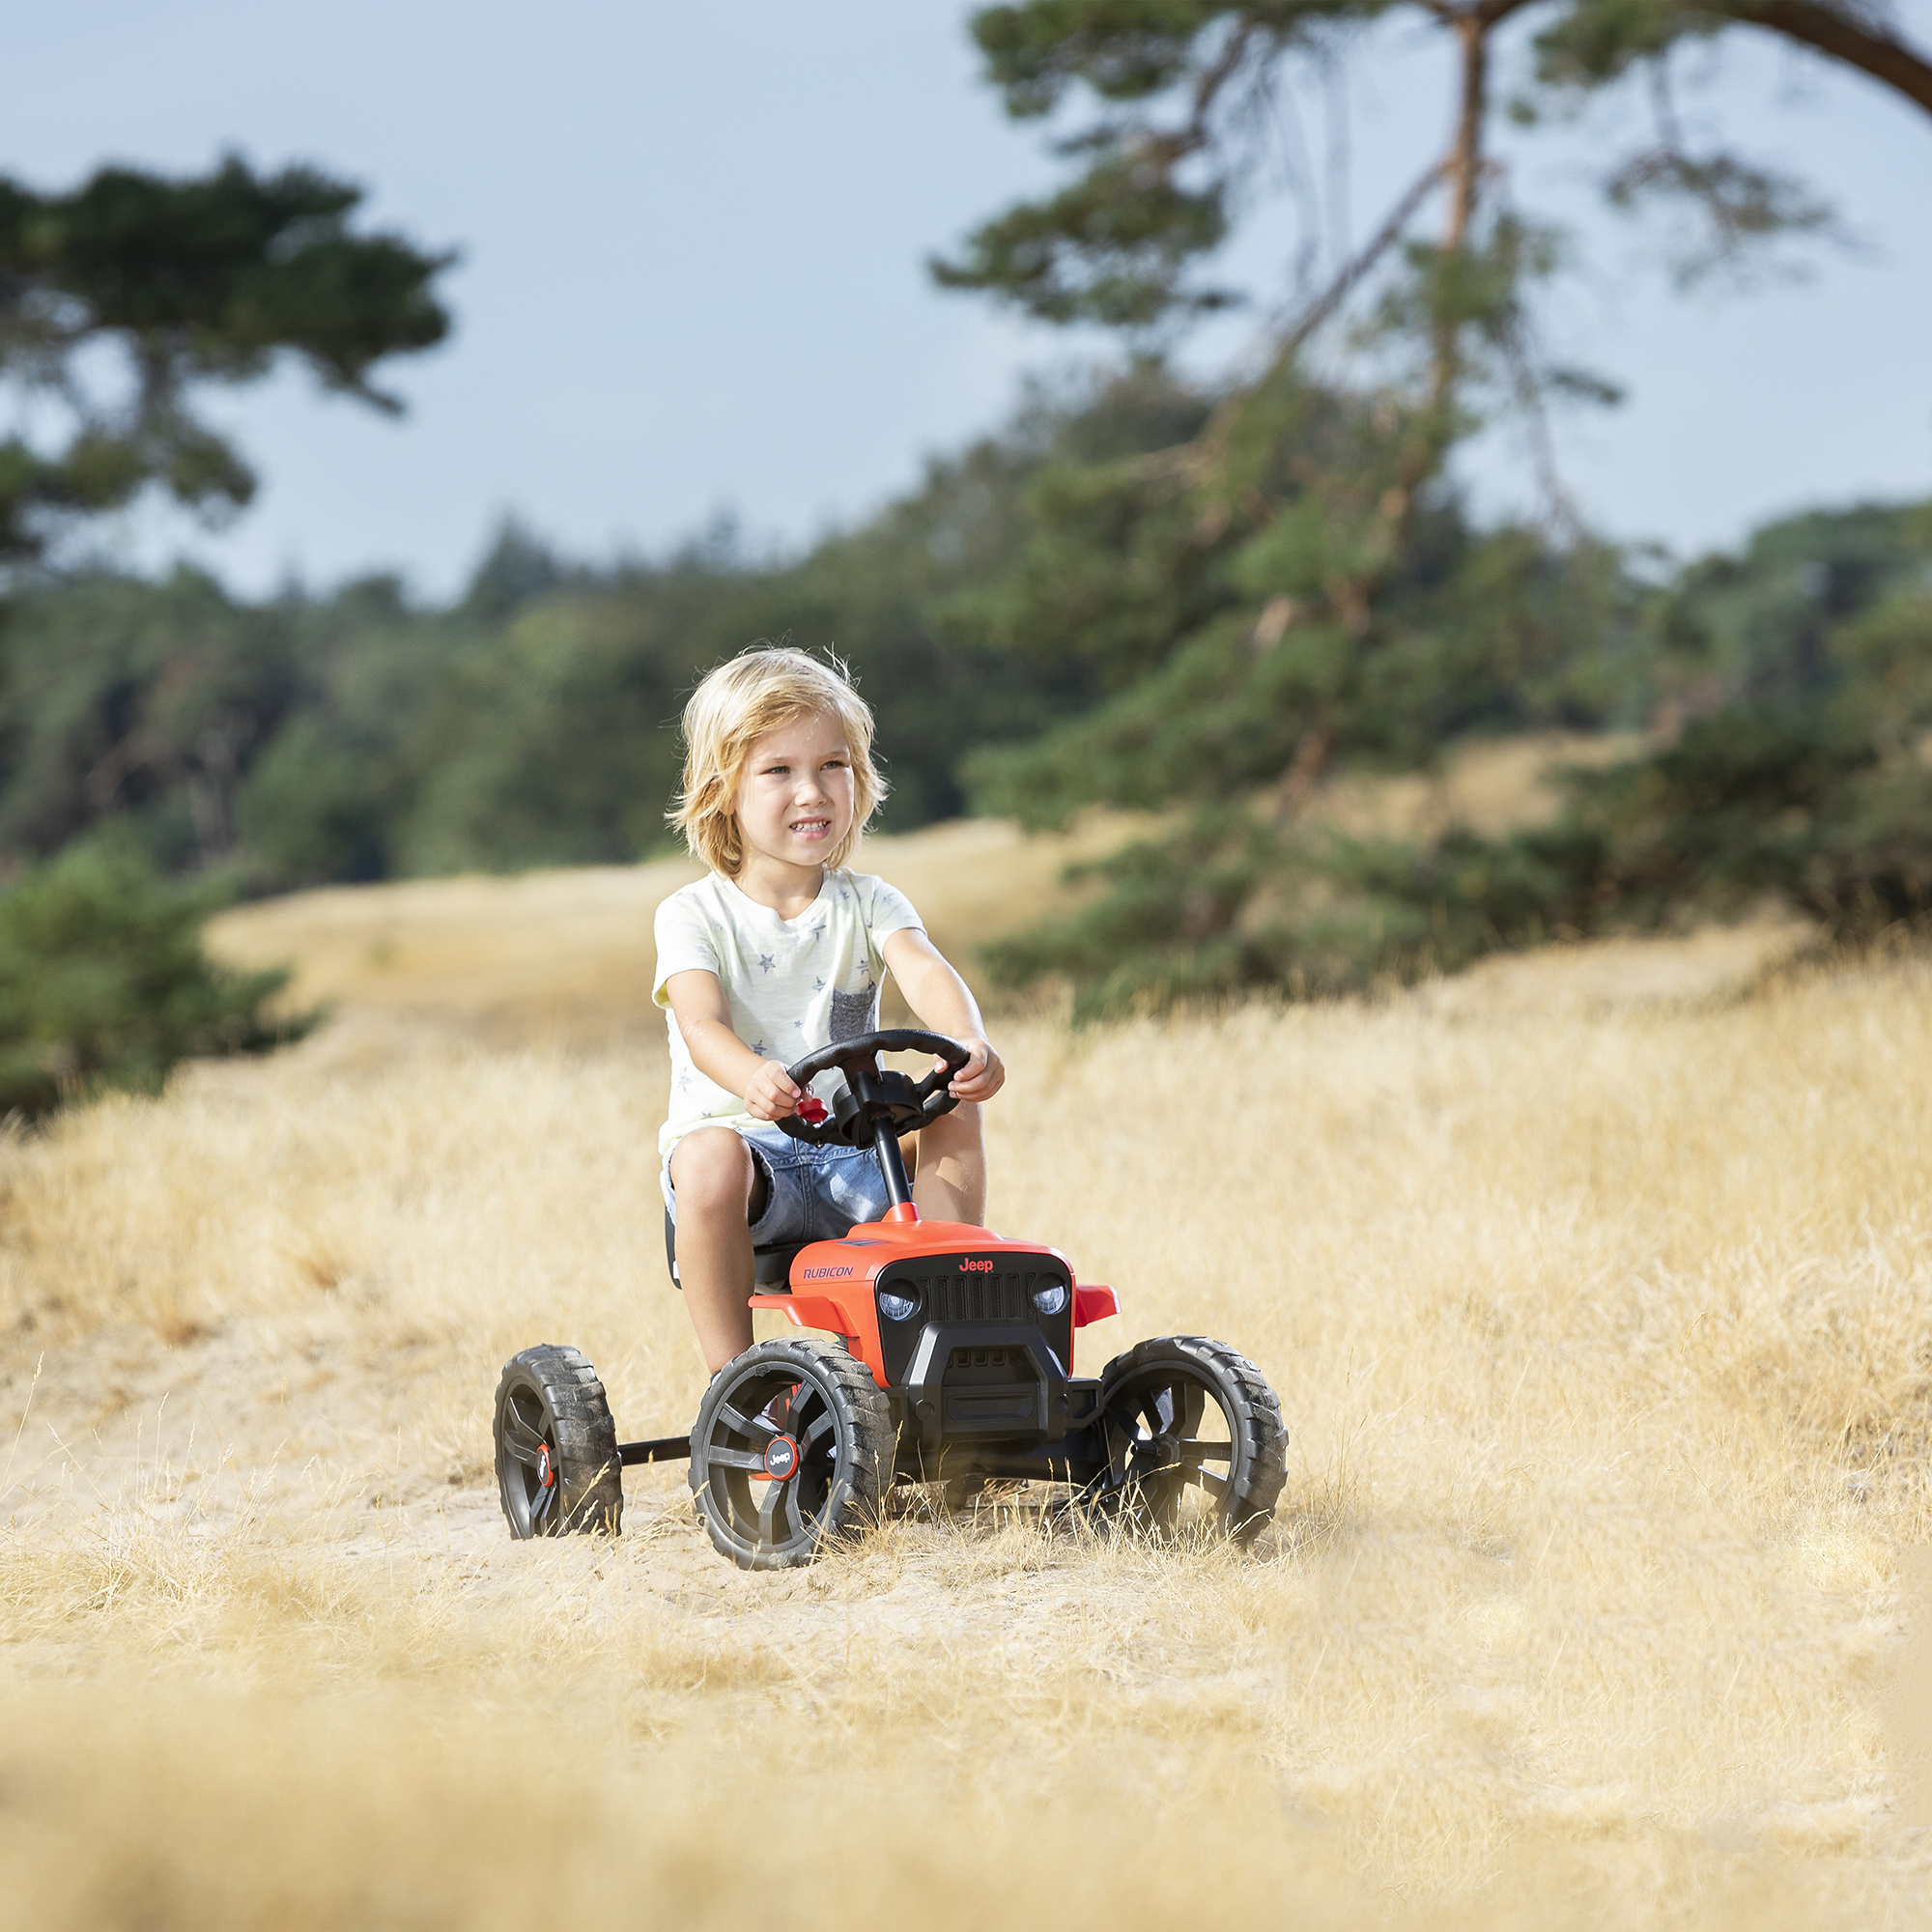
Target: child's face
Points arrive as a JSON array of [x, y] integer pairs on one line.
[[795, 793]]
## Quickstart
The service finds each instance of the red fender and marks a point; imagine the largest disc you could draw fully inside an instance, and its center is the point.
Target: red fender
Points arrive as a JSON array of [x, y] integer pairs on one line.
[[1092, 1303]]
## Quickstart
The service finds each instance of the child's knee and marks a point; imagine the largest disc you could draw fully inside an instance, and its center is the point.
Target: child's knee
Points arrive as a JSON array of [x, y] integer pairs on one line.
[[711, 1172]]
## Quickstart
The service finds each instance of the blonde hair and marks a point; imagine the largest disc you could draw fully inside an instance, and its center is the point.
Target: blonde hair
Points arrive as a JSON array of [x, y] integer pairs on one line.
[[736, 705]]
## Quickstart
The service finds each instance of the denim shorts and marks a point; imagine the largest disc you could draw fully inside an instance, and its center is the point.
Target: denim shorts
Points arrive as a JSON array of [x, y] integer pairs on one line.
[[812, 1193]]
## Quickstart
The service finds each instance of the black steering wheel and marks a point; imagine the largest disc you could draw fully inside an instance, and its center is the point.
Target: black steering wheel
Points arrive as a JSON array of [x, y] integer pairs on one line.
[[871, 1098]]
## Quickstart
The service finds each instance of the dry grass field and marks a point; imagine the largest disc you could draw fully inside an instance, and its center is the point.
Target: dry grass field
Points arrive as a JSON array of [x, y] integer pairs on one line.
[[1597, 1288], [565, 959]]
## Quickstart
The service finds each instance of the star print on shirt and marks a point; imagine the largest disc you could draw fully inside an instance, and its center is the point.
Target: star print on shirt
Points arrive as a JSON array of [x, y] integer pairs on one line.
[[819, 986], [766, 962], [758, 1046]]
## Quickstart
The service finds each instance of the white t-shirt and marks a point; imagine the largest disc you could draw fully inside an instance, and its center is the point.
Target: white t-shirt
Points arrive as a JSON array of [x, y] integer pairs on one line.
[[794, 984]]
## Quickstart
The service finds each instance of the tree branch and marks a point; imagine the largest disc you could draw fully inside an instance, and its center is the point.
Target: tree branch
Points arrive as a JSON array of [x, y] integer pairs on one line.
[[1529, 400], [1191, 459], [1353, 271], [1217, 76], [1835, 32]]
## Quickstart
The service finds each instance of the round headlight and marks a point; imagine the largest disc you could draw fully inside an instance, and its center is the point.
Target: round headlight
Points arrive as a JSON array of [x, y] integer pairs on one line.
[[1051, 1298], [897, 1305]]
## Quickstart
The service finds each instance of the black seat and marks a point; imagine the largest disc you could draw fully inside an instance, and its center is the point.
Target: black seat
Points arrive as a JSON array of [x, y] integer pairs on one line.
[[771, 1265]]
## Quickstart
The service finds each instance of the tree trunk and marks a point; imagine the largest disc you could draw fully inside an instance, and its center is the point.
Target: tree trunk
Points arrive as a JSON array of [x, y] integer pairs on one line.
[[1464, 173]]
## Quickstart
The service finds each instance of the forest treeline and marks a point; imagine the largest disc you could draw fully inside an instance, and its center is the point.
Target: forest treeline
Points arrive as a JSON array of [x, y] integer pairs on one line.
[[354, 735], [1002, 618], [1048, 620]]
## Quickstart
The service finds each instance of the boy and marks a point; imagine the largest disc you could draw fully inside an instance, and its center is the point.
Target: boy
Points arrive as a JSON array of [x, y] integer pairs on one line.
[[779, 952]]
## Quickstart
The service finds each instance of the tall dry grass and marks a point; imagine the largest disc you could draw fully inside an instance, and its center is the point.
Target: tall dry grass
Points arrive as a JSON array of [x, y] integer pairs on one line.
[[1604, 1336]]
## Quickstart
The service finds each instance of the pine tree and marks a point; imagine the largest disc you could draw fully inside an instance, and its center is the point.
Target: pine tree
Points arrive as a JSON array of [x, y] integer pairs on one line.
[[1294, 583], [196, 282]]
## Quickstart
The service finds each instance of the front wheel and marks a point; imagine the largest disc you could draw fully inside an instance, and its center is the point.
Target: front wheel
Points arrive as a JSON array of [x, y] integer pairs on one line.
[[1194, 1441], [792, 1450], [557, 1470]]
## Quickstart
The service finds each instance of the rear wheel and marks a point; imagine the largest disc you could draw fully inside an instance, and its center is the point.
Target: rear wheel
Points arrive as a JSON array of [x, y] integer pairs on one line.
[[557, 1470], [1193, 1438], [792, 1451]]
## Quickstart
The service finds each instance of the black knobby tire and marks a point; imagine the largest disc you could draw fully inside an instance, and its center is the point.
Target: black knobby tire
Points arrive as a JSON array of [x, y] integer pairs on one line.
[[557, 1470], [831, 1479], [1194, 1441]]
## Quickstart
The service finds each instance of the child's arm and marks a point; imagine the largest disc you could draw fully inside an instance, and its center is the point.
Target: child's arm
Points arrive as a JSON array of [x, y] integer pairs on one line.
[[944, 1003], [704, 1020]]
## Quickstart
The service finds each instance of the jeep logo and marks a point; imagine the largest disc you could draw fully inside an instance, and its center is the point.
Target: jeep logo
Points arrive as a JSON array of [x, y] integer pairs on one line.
[[976, 1267]]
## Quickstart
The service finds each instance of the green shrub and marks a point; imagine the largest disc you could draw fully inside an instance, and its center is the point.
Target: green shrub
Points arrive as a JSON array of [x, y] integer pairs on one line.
[[103, 981], [1793, 687]]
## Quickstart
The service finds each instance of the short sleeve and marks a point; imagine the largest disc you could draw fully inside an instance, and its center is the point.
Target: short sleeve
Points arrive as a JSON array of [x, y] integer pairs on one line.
[[890, 912], [685, 941]]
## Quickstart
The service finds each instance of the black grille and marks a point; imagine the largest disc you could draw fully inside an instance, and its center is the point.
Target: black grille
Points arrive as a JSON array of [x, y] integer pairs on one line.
[[989, 1358], [976, 1298], [954, 1296]]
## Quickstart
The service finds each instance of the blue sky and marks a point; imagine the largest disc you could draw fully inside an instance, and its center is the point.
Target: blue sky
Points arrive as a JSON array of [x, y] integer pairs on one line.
[[692, 280]]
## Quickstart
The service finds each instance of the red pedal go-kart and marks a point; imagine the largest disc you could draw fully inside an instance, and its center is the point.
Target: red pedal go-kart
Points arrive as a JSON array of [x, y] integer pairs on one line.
[[953, 1364]]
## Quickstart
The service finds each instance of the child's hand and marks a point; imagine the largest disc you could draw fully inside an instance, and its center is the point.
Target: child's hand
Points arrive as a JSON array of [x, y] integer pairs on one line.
[[771, 1095], [981, 1077]]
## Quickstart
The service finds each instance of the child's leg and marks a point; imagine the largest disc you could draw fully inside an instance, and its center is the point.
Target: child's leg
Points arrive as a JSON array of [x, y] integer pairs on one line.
[[713, 1175], [952, 1181]]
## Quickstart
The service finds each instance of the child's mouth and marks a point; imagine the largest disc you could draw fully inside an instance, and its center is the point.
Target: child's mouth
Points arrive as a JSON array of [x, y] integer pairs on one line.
[[811, 828]]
